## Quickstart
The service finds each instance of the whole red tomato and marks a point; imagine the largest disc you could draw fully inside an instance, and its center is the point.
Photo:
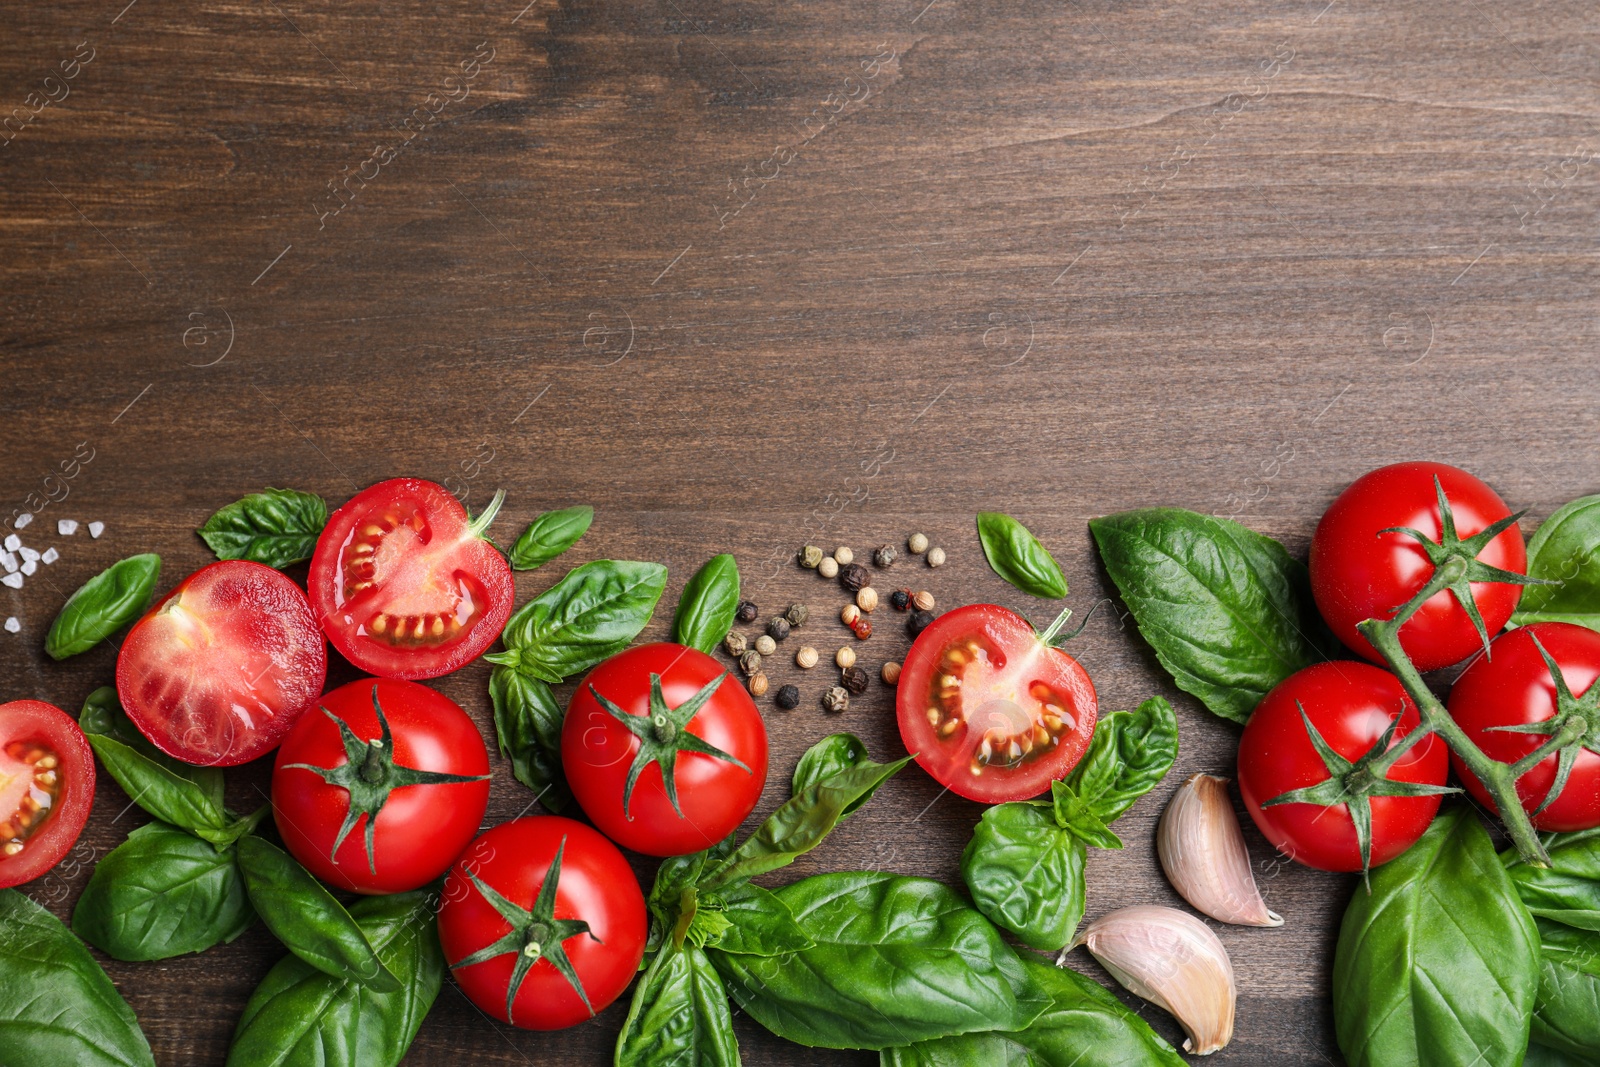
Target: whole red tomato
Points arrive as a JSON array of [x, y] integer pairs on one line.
[[1514, 687], [989, 710], [1363, 569], [405, 585], [542, 922], [380, 788], [46, 788], [1351, 705], [664, 750]]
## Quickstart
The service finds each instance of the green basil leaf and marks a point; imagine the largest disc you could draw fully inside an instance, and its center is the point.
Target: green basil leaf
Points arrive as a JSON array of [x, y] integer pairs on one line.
[[1084, 1026], [1131, 752], [1025, 873], [550, 535], [1439, 963], [591, 614], [277, 527], [307, 918], [759, 924], [1567, 1015], [299, 1015], [59, 1006], [707, 606], [1077, 816], [1541, 1056], [102, 714], [679, 1016], [164, 793], [1018, 557], [894, 960], [1565, 550], [527, 722], [1228, 612], [1568, 891], [834, 753], [800, 823], [161, 893], [103, 605]]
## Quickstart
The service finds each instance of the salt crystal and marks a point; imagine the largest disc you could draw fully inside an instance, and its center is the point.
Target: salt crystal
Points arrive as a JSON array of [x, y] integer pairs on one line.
[[13, 625], [28, 553], [29, 566], [67, 527], [22, 520], [14, 581], [13, 542], [8, 561], [96, 529], [50, 556]]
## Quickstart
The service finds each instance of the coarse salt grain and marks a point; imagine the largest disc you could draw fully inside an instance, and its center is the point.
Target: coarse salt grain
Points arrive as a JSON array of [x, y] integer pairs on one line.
[[13, 581], [28, 553], [29, 566], [13, 624], [22, 520], [67, 527], [50, 556], [8, 561], [96, 529], [13, 542]]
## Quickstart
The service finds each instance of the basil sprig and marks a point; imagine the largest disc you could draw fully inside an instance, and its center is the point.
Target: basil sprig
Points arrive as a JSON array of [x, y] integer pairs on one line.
[[708, 604], [58, 1004], [1018, 557], [1227, 610], [1566, 552], [277, 527], [550, 535], [103, 605]]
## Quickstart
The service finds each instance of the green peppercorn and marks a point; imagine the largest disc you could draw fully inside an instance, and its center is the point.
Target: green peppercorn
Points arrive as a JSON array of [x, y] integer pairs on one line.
[[836, 699], [797, 614], [787, 697], [735, 643], [747, 611], [750, 662], [810, 556]]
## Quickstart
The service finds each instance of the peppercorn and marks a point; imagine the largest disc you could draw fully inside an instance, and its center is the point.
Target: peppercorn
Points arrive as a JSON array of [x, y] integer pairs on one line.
[[867, 599], [849, 614], [788, 696], [778, 628], [735, 643], [797, 614], [919, 621], [766, 645], [863, 629], [758, 684], [810, 556], [806, 658], [936, 557], [750, 662], [917, 543], [900, 599], [828, 568], [747, 611], [854, 577], [890, 673], [845, 657], [885, 556], [843, 555], [855, 679], [836, 699], [923, 601]]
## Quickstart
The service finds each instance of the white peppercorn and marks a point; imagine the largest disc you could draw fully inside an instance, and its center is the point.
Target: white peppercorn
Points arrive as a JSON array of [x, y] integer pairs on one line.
[[829, 567], [844, 555], [867, 598], [890, 673], [735, 643], [849, 614], [917, 543], [923, 601], [836, 699], [845, 657], [936, 557], [810, 556], [806, 658], [758, 684], [766, 645]]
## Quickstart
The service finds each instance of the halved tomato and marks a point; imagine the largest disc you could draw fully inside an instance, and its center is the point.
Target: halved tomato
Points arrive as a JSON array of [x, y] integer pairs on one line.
[[46, 788], [989, 709], [405, 585], [224, 665]]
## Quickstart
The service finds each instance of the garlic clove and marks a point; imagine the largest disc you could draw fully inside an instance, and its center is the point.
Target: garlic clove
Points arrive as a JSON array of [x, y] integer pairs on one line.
[[1174, 961], [1203, 852]]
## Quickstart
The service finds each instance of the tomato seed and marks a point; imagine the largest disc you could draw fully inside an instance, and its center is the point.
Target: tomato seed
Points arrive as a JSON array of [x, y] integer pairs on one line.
[[46, 763], [12, 848]]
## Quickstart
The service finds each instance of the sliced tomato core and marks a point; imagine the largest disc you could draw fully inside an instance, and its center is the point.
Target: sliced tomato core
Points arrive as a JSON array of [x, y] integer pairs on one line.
[[29, 780]]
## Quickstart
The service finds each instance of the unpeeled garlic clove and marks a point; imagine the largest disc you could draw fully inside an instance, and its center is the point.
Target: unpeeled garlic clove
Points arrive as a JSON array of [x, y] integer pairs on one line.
[[1203, 852], [1174, 961]]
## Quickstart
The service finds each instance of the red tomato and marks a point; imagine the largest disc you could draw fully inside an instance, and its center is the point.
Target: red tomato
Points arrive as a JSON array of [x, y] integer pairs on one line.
[[1351, 705], [46, 788], [1512, 686], [700, 721], [1359, 572], [989, 710], [423, 768], [553, 891], [404, 585], [220, 668]]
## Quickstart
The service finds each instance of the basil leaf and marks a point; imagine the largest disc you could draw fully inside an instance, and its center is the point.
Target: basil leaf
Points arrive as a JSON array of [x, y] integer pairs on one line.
[[1025, 873], [759, 924], [527, 723], [679, 1016], [162, 893], [895, 960], [59, 1006], [1075, 815], [307, 919], [299, 1015], [1540, 1056], [277, 527], [1227, 611], [1131, 752], [834, 753], [102, 714], [800, 823], [591, 614], [1568, 891], [1565, 550], [1567, 1014], [1439, 963], [103, 605], [550, 535], [164, 793], [707, 606], [1018, 557], [1084, 1025]]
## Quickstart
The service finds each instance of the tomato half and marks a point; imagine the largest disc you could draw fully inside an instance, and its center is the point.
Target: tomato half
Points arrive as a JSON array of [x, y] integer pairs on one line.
[[1358, 572], [989, 710], [223, 666], [700, 721], [1351, 705], [46, 788], [1513, 686], [423, 767], [405, 585], [506, 901]]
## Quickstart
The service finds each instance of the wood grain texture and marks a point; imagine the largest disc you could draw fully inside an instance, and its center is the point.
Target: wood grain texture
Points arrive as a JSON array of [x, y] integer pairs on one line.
[[749, 275]]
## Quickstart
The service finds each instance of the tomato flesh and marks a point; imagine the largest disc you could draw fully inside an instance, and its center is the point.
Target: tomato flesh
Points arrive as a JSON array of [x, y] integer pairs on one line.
[[46, 788], [224, 665], [402, 585], [988, 710]]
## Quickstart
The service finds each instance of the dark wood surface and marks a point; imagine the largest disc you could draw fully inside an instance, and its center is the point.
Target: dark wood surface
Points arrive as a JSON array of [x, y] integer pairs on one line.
[[746, 276]]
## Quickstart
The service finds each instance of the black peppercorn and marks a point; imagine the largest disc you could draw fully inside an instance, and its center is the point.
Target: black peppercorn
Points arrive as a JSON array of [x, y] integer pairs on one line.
[[747, 611], [900, 599], [855, 679], [788, 697], [885, 556], [919, 621], [854, 576], [778, 628]]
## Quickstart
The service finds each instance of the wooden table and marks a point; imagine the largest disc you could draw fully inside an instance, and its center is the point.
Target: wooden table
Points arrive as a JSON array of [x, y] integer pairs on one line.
[[746, 276]]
